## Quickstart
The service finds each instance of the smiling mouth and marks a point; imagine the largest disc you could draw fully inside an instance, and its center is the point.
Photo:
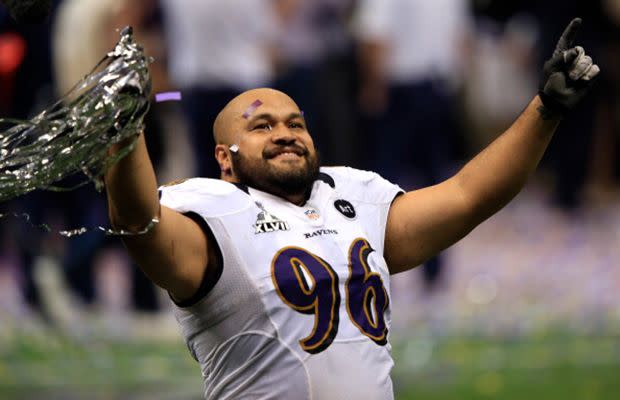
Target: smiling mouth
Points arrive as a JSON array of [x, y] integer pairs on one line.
[[287, 155]]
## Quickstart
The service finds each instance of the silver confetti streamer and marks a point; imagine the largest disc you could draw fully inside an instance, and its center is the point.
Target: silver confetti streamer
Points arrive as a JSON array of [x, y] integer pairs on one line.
[[111, 232], [74, 135], [26, 217], [81, 231]]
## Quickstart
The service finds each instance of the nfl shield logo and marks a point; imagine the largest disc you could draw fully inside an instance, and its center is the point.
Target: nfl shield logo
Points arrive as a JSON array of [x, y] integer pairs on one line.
[[312, 214]]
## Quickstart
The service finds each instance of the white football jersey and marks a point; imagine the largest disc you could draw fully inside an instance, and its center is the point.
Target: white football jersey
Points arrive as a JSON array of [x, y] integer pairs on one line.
[[302, 307]]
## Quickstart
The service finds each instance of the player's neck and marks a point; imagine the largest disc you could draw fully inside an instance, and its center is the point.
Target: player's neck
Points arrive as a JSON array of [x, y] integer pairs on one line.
[[299, 199]]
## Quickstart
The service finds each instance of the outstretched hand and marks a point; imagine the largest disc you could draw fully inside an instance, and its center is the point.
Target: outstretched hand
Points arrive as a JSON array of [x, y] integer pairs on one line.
[[568, 74]]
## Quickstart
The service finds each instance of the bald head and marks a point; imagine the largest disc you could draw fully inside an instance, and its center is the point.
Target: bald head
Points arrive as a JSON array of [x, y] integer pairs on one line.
[[262, 141], [242, 106]]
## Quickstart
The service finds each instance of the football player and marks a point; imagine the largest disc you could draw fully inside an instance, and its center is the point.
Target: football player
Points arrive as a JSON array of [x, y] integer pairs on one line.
[[280, 271]]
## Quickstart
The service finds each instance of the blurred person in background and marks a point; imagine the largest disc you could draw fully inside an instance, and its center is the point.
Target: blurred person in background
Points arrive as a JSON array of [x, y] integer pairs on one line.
[[606, 164], [500, 49], [571, 159], [84, 31], [25, 87], [411, 58], [216, 50], [315, 56], [510, 34], [12, 54]]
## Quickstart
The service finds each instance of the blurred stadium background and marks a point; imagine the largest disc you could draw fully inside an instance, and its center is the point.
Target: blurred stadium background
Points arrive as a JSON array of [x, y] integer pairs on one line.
[[528, 305]]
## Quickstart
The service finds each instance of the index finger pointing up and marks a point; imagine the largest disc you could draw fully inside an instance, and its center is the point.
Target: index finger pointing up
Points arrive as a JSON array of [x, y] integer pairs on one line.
[[569, 35]]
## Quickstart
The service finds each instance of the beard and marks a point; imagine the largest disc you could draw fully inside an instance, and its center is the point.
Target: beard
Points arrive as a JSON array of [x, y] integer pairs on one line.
[[266, 177]]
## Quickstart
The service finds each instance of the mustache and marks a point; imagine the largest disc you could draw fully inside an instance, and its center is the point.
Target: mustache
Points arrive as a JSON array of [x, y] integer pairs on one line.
[[274, 151]]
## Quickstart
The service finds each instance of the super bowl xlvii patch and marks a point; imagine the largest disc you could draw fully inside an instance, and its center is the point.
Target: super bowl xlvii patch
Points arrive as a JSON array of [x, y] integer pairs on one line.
[[266, 222]]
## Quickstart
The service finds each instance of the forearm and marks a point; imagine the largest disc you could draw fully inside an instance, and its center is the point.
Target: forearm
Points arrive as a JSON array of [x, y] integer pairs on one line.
[[132, 189], [495, 176], [433, 218]]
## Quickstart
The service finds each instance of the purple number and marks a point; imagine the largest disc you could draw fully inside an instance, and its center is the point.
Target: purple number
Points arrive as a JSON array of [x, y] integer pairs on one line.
[[367, 298], [309, 285]]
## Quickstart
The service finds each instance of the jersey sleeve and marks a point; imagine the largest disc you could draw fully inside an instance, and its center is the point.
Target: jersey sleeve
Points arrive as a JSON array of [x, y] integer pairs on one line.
[[206, 197], [364, 186]]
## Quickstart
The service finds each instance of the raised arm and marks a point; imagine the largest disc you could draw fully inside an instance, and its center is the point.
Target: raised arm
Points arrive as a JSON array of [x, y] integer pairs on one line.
[[175, 253], [424, 222]]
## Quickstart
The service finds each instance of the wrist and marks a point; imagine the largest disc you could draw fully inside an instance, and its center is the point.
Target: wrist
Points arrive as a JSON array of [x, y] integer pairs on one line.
[[549, 108], [116, 147]]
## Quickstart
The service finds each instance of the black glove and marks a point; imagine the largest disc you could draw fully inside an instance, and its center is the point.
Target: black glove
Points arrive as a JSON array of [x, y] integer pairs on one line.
[[568, 74]]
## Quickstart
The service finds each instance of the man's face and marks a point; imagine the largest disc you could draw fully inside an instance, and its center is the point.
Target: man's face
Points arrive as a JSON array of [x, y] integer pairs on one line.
[[276, 153]]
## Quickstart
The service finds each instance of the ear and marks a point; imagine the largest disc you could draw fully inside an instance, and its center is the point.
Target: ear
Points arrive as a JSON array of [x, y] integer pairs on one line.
[[222, 156]]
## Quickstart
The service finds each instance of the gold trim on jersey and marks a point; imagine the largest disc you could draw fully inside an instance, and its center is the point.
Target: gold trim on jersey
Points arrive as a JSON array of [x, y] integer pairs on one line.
[[367, 274], [301, 277], [175, 182], [329, 334]]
